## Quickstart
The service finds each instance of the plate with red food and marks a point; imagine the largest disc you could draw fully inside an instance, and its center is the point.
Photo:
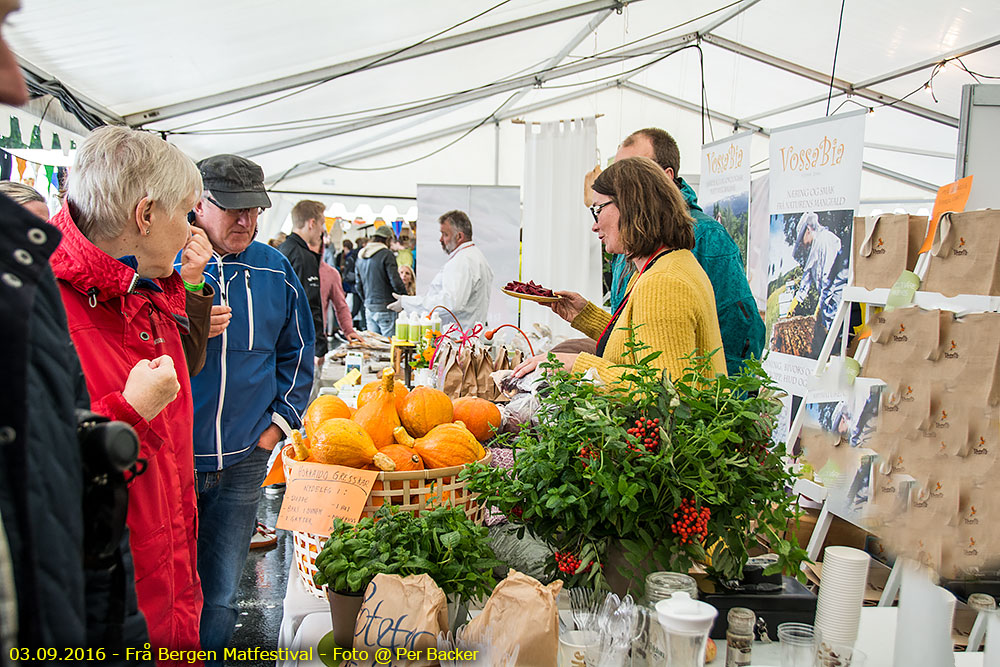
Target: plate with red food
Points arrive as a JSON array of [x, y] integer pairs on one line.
[[530, 291]]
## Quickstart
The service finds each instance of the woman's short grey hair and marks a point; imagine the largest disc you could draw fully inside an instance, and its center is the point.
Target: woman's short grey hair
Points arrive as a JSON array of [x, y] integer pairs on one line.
[[115, 167], [19, 192]]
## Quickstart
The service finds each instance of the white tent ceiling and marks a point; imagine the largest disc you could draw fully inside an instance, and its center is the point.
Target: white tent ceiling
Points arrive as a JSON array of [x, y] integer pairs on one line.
[[365, 86]]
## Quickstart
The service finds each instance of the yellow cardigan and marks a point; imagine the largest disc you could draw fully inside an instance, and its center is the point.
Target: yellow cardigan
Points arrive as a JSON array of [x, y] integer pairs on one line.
[[674, 302]]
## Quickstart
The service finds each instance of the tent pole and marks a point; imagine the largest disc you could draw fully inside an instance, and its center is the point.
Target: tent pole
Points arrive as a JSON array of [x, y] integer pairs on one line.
[[496, 154], [820, 77], [141, 118], [343, 158]]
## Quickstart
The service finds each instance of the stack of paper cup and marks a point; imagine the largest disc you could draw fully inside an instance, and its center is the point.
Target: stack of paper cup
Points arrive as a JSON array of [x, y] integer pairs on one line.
[[841, 593]]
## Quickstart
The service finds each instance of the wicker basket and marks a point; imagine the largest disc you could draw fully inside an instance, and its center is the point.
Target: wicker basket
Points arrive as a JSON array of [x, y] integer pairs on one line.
[[409, 491]]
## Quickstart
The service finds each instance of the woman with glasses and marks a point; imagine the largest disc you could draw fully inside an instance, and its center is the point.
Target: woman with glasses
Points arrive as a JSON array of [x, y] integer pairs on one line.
[[669, 304]]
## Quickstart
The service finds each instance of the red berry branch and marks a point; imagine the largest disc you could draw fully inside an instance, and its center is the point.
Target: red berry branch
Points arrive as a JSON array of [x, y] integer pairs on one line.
[[647, 432], [569, 564], [691, 523]]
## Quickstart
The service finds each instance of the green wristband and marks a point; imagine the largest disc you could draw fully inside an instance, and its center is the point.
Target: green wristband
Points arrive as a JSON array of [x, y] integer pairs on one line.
[[193, 288]]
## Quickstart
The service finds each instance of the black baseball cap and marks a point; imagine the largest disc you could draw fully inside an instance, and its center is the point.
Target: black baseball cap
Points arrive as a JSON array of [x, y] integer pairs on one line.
[[234, 181]]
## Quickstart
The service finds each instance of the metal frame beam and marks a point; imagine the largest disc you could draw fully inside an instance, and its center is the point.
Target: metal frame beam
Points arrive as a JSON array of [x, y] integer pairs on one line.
[[41, 75], [824, 79], [737, 123], [141, 118], [517, 83], [347, 158], [559, 57], [896, 176], [882, 78], [696, 108]]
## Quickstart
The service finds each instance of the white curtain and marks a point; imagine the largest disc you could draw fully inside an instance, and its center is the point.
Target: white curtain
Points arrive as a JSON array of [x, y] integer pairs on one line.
[[558, 249]]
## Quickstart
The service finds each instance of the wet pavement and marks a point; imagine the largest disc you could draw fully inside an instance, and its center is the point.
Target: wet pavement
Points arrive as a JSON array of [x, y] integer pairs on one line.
[[262, 588]]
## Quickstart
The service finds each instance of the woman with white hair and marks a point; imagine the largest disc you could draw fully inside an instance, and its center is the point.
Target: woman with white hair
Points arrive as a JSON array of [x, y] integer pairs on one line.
[[123, 225]]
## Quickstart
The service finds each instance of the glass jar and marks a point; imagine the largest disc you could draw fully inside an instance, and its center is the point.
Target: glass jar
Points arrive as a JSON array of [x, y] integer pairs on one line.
[[649, 648], [739, 636]]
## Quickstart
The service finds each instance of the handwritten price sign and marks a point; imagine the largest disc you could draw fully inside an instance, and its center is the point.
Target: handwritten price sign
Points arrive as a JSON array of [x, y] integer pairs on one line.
[[318, 493]]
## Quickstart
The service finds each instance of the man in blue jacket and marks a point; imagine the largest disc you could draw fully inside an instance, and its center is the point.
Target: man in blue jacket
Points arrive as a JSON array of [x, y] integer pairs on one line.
[[741, 325], [255, 383]]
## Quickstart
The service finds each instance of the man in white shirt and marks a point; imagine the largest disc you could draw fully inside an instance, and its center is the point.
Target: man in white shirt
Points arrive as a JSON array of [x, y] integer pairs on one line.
[[464, 283]]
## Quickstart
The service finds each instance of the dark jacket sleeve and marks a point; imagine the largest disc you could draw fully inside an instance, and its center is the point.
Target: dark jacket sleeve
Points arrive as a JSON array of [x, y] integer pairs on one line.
[[198, 306], [392, 273]]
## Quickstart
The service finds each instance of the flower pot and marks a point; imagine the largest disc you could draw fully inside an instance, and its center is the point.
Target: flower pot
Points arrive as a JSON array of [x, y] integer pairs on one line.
[[344, 609], [619, 582]]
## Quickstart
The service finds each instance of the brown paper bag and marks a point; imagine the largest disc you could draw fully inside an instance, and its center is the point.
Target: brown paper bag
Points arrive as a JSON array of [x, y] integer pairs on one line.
[[522, 612], [965, 254], [969, 357], [401, 612], [885, 246], [904, 341]]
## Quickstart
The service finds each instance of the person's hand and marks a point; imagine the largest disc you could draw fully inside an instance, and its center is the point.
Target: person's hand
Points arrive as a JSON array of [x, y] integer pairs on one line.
[[397, 305], [532, 363], [569, 306], [219, 320], [197, 252], [151, 386], [354, 335], [271, 436]]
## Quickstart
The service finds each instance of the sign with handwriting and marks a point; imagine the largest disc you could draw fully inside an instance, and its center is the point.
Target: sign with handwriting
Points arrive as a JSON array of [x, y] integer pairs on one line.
[[316, 493]]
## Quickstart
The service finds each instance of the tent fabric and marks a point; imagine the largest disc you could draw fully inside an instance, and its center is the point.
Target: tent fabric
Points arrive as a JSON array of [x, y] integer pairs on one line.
[[156, 55]]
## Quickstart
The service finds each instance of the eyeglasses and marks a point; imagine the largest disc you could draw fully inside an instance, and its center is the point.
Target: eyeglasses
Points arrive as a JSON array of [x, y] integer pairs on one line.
[[249, 212], [596, 208]]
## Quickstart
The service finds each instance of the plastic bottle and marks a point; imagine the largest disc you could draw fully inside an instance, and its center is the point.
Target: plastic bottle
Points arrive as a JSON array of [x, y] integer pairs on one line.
[[402, 327], [436, 323], [687, 623], [415, 330]]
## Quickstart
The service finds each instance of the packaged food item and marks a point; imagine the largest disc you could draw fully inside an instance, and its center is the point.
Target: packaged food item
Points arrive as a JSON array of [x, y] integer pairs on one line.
[[401, 612], [524, 613]]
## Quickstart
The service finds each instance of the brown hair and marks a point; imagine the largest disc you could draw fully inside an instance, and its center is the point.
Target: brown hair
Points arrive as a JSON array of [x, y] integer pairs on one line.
[[307, 210], [665, 151], [651, 210]]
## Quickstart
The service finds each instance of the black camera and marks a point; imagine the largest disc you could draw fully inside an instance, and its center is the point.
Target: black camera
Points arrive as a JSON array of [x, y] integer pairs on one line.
[[108, 449]]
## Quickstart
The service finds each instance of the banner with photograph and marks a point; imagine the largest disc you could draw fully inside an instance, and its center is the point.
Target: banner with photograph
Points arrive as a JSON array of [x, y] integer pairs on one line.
[[815, 186], [724, 188]]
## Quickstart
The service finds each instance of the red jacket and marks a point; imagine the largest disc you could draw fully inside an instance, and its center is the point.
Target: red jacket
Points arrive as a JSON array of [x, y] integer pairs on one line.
[[114, 328]]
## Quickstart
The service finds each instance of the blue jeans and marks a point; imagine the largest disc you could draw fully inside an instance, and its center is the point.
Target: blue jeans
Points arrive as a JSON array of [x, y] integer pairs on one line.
[[381, 322], [227, 518]]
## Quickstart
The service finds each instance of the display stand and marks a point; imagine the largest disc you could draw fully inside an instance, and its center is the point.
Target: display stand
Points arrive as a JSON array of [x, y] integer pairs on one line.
[[961, 304]]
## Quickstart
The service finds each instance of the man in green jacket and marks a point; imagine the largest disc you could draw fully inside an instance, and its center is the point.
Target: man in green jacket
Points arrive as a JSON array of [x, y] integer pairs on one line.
[[740, 323]]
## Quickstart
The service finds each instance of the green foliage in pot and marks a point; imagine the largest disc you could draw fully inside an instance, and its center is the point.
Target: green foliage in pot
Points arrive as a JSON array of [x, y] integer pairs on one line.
[[675, 472], [441, 542]]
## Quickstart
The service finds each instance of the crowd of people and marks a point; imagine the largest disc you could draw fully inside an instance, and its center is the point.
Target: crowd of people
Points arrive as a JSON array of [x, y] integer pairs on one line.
[[147, 300]]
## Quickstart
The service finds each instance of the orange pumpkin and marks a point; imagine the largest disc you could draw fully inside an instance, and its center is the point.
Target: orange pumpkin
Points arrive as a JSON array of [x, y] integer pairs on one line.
[[399, 392], [444, 446], [480, 416], [323, 408], [405, 458], [424, 409], [378, 416], [343, 442]]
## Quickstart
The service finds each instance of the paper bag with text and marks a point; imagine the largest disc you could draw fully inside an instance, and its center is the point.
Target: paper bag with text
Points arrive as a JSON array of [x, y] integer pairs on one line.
[[885, 246], [401, 612], [965, 254], [522, 612], [969, 357]]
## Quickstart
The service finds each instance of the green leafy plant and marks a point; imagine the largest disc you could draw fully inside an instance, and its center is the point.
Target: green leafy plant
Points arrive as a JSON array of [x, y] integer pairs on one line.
[[441, 542], [671, 473]]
